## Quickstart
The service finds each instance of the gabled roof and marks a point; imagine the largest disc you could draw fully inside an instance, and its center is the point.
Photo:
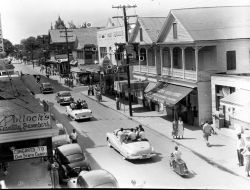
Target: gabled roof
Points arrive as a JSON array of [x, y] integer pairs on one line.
[[213, 23], [86, 36], [58, 36], [151, 25], [81, 35], [114, 22]]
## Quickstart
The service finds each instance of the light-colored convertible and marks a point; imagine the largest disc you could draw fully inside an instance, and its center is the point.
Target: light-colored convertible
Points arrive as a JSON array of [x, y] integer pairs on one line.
[[78, 113], [130, 150]]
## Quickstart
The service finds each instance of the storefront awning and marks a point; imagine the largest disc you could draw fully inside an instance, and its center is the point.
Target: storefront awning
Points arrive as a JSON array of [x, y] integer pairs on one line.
[[122, 86], [239, 98], [168, 94], [150, 86]]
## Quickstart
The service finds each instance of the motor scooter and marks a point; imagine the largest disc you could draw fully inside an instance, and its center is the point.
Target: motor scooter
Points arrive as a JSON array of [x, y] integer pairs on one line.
[[179, 166]]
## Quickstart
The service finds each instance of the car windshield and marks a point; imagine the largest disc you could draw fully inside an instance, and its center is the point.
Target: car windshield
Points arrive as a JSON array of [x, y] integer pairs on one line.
[[65, 94], [75, 157]]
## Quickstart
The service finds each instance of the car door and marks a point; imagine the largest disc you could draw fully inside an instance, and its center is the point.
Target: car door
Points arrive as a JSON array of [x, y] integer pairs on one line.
[[115, 142]]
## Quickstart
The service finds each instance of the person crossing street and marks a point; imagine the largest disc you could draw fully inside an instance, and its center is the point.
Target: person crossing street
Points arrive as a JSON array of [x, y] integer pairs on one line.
[[73, 136]]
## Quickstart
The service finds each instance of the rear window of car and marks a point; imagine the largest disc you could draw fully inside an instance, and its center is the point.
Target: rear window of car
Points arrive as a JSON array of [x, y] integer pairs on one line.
[[64, 94], [75, 157], [46, 85]]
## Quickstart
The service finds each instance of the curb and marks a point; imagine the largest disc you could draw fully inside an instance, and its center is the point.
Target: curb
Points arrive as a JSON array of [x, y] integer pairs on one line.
[[220, 166]]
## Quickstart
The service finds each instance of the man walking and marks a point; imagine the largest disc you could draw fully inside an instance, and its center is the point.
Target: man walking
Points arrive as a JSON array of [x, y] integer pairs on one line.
[[207, 131], [73, 136], [240, 148]]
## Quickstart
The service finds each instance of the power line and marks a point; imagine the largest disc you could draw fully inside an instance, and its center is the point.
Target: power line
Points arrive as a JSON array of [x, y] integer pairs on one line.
[[124, 7]]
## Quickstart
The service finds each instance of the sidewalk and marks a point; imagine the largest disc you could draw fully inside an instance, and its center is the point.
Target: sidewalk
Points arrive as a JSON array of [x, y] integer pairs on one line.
[[221, 154]]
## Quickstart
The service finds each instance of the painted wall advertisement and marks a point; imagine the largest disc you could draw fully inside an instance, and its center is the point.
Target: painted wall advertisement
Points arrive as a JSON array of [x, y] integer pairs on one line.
[[30, 152], [1, 37], [27, 122]]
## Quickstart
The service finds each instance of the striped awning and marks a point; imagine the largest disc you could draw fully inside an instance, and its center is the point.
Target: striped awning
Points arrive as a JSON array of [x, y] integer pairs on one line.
[[168, 94], [122, 86], [239, 98]]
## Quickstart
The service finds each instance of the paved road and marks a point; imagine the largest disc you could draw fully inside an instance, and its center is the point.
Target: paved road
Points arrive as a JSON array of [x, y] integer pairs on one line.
[[156, 172]]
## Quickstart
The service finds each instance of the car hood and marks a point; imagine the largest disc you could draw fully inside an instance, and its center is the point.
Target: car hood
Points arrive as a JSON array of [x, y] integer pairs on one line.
[[140, 147], [65, 97]]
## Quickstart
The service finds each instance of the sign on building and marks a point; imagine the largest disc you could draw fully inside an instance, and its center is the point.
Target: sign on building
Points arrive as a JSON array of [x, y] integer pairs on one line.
[[1, 37], [27, 122], [31, 152]]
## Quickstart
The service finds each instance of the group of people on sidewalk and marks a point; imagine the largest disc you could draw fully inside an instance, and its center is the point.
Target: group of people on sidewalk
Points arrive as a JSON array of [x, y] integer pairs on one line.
[[243, 151], [178, 128]]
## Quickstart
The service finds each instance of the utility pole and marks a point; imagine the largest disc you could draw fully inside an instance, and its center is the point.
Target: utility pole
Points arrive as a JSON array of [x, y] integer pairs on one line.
[[66, 31], [124, 7]]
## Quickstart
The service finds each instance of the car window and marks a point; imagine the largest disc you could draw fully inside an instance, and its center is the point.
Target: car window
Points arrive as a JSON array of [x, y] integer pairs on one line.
[[65, 94], [75, 157]]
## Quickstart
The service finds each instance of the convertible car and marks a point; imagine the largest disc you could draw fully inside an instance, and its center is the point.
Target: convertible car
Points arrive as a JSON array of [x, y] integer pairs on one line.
[[78, 113], [130, 150]]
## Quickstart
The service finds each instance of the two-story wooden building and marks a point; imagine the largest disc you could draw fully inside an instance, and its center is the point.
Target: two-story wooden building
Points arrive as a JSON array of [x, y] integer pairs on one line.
[[189, 48]]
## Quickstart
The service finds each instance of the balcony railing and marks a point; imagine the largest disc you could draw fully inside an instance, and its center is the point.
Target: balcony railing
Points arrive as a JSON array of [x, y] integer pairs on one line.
[[152, 70], [136, 68], [144, 69], [178, 73]]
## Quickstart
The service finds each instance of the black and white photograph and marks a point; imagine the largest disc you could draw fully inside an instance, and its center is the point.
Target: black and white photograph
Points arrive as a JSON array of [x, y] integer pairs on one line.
[[129, 94]]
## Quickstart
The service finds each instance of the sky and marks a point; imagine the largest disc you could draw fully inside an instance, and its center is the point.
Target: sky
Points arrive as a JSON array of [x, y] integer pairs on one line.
[[24, 18]]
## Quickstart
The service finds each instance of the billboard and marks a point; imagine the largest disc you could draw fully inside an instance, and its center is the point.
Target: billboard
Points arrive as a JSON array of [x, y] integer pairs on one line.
[[1, 37]]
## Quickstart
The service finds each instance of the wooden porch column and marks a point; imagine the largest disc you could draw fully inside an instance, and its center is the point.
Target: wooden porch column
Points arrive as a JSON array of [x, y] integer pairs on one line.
[[147, 59], [139, 52], [196, 60], [161, 59], [171, 59], [183, 61]]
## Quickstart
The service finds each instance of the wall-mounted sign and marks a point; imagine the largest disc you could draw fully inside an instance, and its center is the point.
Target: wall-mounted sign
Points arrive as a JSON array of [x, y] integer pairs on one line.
[[30, 152], [27, 122]]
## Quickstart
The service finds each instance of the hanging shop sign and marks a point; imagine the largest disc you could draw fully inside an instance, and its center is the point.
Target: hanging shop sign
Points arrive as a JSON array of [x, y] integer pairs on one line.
[[31, 152], [26, 122]]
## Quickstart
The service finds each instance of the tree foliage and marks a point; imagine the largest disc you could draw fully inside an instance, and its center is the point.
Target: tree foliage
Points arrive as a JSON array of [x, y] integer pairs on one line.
[[8, 47]]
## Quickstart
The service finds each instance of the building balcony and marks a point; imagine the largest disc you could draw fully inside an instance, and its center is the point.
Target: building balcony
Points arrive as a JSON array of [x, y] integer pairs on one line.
[[152, 70], [178, 73]]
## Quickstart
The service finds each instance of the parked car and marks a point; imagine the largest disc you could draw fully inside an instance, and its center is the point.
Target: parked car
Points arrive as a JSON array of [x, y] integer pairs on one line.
[[62, 137], [71, 161], [137, 149], [64, 97], [78, 113], [46, 88], [93, 179]]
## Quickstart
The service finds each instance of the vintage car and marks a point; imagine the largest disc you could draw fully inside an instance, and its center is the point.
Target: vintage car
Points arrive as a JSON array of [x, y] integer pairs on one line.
[[71, 161], [46, 88], [130, 150], [64, 97], [62, 137], [93, 179], [78, 113]]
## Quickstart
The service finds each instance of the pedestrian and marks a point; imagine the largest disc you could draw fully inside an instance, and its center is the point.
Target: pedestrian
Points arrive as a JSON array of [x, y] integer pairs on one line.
[[89, 89], [246, 154], [92, 90], [73, 136], [180, 128], [4, 166], [207, 131], [175, 128], [117, 100], [240, 148]]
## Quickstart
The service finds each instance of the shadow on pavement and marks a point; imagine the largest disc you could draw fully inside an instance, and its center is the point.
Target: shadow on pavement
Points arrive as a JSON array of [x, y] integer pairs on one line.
[[216, 145], [154, 159]]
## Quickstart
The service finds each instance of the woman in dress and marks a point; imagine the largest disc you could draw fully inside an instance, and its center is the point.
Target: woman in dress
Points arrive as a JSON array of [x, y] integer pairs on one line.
[[175, 128], [246, 154], [180, 128]]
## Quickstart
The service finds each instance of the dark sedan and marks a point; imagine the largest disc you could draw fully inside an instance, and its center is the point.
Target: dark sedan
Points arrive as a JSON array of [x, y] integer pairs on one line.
[[64, 97], [46, 88]]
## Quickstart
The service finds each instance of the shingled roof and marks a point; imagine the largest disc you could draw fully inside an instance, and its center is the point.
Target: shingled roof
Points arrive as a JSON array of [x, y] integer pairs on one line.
[[213, 23], [81, 35]]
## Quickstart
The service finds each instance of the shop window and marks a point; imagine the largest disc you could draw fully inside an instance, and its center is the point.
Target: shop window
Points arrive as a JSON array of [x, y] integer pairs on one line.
[[231, 60]]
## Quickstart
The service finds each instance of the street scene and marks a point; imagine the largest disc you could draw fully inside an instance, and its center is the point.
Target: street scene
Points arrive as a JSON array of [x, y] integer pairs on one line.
[[136, 100]]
